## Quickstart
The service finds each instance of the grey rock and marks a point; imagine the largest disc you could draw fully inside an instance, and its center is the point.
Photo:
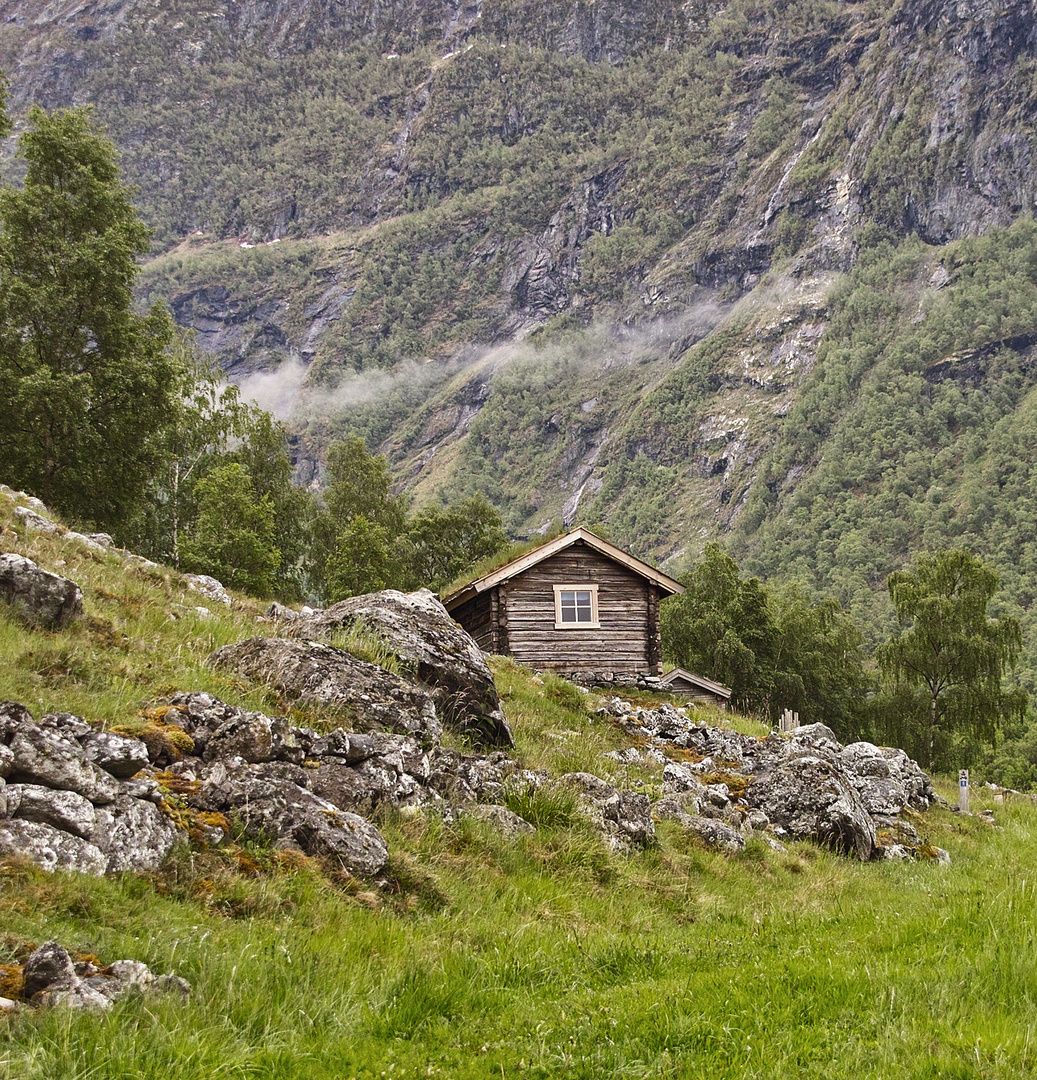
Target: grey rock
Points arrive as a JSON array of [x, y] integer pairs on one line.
[[208, 587], [44, 599], [679, 778], [365, 695], [808, 796], [171, 984], [65, 726], [50, 761], [419, 630], [371, 783], [50, 848], [292, 816], [755, 821], [886, 778], [35, 521], [3, 798], [624, 818], [139, 838], [6, 761], [715, 835], [49, 965], [141, 787], [815, 736], [718, 795], [894, 852], [282, 613], [130, 974], [250, 736], [78, 995], [504, 821], [62, 809], [115, 754], [462, 778], [7, 1005], [89, 541], [53, 980]]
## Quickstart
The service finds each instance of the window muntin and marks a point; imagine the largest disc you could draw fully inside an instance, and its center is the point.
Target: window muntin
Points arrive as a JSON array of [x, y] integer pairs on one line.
[[576, 607]]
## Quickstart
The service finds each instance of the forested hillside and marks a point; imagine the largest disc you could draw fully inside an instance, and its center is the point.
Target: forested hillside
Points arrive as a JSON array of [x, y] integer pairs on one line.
[[757, 271]]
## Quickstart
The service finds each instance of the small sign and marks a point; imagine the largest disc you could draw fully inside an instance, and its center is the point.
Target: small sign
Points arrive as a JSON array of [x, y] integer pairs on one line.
[[963, 790]]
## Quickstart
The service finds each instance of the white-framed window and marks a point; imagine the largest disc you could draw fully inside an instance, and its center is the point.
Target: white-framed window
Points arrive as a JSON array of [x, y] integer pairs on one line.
[[576, 607]]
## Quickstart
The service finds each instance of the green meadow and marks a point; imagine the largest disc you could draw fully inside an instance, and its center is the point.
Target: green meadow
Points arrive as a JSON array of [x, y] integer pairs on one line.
[[481, 957]]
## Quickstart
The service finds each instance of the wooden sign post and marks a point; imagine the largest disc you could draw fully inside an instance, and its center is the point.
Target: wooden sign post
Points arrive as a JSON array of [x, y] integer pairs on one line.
[[963, 790]]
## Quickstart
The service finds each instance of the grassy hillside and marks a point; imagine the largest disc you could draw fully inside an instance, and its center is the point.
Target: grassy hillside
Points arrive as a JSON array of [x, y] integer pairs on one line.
[[479, 957]]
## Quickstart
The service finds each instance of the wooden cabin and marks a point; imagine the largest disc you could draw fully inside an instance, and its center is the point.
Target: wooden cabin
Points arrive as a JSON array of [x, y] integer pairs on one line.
[[576, 605], [696, 688]]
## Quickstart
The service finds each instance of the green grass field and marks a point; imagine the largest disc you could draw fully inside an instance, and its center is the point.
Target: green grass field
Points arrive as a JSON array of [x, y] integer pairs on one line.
[[480, 957]]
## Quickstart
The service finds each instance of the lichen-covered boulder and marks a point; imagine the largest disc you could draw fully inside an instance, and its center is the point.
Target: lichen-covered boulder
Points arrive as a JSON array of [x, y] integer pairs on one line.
[[52, 979], [62, 809], [281, 810], [208, 587], [623, 817], [364, 696], [51, 848], [43, 599], [115, 754], [419, 630], [137, 837], [808, 796], [886, 778], [49, 965], [55, 762]]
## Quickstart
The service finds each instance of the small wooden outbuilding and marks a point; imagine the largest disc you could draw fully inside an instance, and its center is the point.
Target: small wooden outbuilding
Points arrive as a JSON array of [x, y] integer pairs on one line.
[[576, 605], [696, 687]]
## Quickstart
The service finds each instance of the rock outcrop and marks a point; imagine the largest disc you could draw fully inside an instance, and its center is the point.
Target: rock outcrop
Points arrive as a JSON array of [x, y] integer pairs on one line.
[[366, 697], [51, 977], [64, 810], [443, 657], [806, 786], [43, 599]]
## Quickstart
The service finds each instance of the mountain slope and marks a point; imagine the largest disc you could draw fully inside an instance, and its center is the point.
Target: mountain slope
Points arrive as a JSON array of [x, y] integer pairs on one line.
[[603, 262]]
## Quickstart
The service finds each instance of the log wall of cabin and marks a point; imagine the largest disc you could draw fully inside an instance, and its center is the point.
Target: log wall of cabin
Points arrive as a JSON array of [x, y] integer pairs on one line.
[[624, 641], [477, 617]]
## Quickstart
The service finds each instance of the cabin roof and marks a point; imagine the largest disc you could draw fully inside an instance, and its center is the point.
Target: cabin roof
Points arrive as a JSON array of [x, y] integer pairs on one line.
[[517, 566], [680, 675]]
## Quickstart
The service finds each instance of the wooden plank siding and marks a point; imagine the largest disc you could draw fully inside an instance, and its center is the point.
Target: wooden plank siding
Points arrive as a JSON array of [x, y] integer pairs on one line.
[[477, 617], [623, 643]]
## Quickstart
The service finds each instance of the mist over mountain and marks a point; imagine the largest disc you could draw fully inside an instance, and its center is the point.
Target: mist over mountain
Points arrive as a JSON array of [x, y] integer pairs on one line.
[[758, 271]]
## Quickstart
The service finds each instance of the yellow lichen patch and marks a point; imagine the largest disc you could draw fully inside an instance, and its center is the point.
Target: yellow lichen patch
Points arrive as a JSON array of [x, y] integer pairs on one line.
[[736, 783], [161, 739], [158, 712], [677, 753], [177, 785], [12, 981]]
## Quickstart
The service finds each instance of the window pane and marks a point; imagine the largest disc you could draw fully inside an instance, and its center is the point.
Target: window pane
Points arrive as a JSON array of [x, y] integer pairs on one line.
[[575, 606], [568, 605]]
